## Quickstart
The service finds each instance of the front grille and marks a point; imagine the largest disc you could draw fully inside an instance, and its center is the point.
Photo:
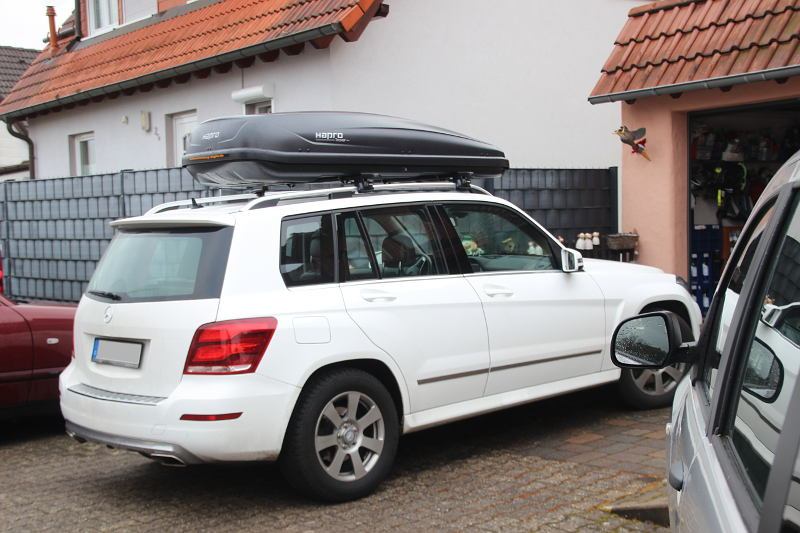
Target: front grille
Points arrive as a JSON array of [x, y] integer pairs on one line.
[[100, 394]]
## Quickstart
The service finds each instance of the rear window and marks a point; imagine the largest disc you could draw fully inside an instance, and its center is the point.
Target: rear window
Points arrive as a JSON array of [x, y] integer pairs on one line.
[[162, 264]]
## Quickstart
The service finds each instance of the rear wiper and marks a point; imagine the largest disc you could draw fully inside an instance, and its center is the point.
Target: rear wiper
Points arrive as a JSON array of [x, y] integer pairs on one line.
[[106, 294]]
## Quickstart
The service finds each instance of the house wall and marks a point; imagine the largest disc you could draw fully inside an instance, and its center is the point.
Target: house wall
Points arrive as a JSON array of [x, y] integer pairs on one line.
[[516, 75], [655, 193], [13, 151]]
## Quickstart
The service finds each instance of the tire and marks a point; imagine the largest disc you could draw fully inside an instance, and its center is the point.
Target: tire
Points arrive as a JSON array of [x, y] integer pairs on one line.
[[651, 389], [332, 456]]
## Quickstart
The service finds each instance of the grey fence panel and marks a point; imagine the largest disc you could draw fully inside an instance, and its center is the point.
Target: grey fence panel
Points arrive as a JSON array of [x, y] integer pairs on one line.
[[565, 201], [54, 231]]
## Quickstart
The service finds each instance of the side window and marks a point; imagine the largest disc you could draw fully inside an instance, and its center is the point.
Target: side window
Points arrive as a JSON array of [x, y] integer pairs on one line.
[[770, 368], [355, 261], [404, 242], [730, 297], [306, 256], [496, 239]]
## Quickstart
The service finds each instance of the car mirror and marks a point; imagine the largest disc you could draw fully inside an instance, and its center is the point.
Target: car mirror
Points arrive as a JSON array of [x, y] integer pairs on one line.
[[571, 260], [651, 340], [763, 376]]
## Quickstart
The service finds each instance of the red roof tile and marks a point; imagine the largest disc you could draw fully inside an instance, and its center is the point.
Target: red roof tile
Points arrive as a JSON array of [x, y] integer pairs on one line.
[[674, 42], [171, 46]]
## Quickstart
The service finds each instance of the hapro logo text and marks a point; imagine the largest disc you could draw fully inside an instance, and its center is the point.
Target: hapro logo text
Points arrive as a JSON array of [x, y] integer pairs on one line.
[[330, 136]]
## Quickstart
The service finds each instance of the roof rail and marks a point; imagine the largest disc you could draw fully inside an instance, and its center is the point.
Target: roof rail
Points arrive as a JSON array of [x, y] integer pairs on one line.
[[200, 202]]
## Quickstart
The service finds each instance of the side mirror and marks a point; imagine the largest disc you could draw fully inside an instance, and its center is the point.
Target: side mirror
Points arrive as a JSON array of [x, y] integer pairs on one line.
[[571, 260], [763, 375], [651, 340]]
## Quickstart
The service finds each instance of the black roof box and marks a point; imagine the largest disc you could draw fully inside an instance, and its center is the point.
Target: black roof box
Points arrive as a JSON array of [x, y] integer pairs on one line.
[[308, 147]]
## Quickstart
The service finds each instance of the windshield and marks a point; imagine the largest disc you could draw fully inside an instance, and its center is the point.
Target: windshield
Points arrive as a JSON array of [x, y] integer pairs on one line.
[[162, 264]]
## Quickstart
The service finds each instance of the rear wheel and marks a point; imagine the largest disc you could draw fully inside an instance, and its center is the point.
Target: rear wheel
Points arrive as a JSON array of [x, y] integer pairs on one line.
[[342, 438], [652, 388]]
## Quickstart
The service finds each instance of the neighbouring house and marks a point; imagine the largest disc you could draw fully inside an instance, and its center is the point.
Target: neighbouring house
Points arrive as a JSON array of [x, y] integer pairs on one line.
[[715, 84], [13, 151], [123, 81]]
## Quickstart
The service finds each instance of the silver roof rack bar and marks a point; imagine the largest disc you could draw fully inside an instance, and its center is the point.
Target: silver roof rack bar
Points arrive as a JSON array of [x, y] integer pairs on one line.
[[192, 202]]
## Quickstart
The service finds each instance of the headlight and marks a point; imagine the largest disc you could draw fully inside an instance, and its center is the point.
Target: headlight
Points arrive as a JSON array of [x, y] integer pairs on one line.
[[683, 283]]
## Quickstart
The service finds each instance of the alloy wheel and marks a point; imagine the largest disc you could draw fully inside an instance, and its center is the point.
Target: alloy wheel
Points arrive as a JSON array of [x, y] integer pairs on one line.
[[349, 436], [660, 381]]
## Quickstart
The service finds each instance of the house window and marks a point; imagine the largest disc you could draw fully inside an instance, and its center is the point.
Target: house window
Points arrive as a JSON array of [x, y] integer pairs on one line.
[[82, 154], [102, 15], [133, 10], [258, 108], [179, 126]]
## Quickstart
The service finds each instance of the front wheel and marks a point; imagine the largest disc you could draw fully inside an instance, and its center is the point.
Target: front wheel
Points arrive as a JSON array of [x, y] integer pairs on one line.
[[342, 438]]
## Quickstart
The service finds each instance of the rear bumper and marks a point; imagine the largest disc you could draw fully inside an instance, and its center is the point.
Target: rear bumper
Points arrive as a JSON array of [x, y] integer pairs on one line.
[[155, 429]]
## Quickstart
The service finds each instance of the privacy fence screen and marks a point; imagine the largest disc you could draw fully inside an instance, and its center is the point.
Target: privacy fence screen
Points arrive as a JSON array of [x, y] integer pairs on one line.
[[53, 231]]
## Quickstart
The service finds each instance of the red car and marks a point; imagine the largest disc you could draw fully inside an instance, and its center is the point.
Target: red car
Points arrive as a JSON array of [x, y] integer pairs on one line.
[[35, 346]]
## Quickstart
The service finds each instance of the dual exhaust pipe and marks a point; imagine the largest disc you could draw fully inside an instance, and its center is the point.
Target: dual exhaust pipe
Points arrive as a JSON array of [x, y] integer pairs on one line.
[[165, 459]]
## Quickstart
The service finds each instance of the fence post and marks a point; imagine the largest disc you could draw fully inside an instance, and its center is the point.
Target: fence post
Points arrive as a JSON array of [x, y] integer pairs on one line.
[[6, 257]]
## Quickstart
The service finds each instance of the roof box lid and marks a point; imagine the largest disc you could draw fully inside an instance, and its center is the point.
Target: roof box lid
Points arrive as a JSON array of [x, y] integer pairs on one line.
[[307, 147]]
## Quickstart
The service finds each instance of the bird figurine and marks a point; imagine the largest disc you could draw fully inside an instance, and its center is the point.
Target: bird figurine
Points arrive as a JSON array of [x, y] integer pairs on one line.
[[635, 139]]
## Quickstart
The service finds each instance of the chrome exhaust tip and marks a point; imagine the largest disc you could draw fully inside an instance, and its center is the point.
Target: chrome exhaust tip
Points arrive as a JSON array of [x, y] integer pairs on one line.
[[76, 438], [167, 459]]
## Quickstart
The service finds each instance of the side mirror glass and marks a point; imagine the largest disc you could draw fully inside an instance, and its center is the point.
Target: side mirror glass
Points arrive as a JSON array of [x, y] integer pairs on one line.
[[763, 376], [651, 340], [571, 260]]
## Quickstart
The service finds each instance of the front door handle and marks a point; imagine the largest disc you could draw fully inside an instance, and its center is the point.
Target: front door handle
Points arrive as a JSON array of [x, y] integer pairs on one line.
[[497, 290], [374, 295]]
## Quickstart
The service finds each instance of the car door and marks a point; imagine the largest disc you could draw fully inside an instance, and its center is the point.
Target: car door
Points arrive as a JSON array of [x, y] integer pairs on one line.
[[398, 288], [544, 325], [16, 356], [734, 436]]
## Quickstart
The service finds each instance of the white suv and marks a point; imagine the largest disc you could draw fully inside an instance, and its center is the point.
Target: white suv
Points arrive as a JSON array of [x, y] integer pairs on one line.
[[316, 327]]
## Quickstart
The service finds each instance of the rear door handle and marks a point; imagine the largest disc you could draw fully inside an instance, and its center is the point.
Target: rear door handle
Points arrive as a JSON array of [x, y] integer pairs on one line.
[[497, 290], [374, 295]]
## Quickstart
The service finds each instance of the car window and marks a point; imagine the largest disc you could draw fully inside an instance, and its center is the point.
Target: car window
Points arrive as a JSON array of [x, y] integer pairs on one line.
[[355, 260], [496, 239], [404, 242], [729, 296], [770, 368], [306, 255]]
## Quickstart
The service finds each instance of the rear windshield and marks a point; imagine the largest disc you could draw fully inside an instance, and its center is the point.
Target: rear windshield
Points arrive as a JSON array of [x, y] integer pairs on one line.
[[162, 264]]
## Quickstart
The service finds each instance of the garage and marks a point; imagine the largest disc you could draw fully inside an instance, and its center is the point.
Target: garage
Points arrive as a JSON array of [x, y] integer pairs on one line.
[[715, 86]]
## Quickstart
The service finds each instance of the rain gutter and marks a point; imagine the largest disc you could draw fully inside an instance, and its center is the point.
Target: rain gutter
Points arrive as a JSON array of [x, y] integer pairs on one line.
[[712, 83]]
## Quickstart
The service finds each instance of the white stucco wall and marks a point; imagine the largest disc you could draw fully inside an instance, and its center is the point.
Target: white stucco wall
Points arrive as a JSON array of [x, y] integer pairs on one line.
[[512, 72], [13, 151]]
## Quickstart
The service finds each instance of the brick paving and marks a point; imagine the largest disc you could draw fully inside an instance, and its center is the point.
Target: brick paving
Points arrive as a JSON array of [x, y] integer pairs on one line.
[[550, 466]]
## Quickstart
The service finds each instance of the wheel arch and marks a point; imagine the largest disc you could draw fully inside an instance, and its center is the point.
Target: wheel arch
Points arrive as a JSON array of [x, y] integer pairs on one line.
[[677, 307], [375, 367]]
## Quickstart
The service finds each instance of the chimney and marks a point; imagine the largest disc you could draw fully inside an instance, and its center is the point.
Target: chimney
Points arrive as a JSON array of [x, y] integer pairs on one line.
[[51, 14]]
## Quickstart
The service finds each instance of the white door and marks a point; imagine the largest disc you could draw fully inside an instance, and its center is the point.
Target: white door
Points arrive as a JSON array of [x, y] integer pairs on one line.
[[182, 126], [397, 289], [544, 325]]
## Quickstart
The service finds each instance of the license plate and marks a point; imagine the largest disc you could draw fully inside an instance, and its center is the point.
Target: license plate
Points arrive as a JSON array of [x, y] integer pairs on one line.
[[108, 352]]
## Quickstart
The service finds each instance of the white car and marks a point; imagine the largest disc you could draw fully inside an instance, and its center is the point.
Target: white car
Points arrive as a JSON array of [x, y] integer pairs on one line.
[[317, 327]]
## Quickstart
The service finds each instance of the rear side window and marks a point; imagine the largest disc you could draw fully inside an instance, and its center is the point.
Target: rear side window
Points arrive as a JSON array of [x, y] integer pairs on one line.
[[307, 251], [163, 264]]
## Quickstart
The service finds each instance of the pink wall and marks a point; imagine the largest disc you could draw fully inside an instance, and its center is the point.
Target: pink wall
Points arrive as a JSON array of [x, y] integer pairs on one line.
[[654, 193]]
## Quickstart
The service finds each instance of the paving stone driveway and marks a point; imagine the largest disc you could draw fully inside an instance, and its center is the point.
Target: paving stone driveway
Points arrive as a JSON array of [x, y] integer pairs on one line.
[[548, 466]]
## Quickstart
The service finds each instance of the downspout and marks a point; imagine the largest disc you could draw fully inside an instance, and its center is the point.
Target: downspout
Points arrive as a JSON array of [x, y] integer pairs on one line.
[[78, 21], [23, 135]]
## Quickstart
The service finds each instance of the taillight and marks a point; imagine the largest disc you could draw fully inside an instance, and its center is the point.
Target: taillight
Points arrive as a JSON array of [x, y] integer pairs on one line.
[[229, 347]]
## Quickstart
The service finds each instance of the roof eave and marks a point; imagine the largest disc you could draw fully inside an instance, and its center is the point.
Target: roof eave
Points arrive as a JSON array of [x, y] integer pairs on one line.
[[712, 83], [188, 68]]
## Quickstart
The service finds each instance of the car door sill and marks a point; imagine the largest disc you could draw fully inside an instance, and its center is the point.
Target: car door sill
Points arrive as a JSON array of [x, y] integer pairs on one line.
[[486, 404]]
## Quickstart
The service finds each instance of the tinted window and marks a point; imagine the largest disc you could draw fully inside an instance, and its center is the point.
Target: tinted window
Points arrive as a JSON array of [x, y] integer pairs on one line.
[[307, 250], [167, 264], [496, 239], [770, 369], [355, 261], [404, 241], [730, 296]]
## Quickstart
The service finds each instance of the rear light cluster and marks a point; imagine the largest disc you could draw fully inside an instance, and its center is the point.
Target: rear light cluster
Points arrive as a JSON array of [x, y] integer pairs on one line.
[[229, 347]]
